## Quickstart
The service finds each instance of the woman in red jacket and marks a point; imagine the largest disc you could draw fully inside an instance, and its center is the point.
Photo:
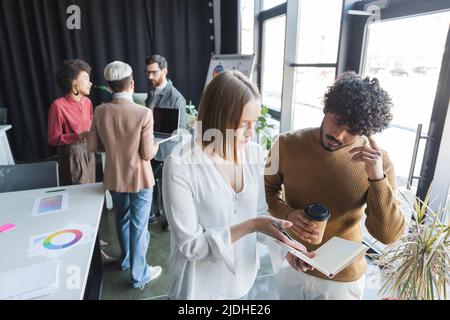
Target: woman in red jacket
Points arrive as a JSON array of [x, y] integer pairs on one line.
[[69, 122]]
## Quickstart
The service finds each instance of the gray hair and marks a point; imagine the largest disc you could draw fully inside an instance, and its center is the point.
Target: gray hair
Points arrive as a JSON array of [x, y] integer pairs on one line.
[[117, 70]]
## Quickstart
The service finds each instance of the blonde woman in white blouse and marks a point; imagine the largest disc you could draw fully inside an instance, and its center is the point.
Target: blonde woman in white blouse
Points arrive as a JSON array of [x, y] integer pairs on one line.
[[213, 191]]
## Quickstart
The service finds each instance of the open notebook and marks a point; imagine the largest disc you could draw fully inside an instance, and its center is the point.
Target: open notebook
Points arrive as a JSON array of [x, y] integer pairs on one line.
[[333, 256]]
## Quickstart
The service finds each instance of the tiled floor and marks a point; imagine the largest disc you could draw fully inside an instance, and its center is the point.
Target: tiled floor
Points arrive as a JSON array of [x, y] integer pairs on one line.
[[116, 282]]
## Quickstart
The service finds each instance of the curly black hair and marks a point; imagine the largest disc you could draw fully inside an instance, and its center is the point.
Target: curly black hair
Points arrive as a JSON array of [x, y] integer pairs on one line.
[[360, 104], [68, 71]]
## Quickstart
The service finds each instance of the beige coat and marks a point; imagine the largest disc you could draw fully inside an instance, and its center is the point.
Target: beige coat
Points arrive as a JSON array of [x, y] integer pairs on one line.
[[124, 130]]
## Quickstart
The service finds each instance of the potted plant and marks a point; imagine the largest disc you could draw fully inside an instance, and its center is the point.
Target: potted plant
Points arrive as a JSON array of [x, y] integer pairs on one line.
[[417, 267], [105, 89], [191, 114], [264, 129], [138, 98]]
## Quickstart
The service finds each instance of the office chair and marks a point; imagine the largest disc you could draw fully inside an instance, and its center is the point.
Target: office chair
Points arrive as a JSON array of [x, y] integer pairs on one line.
[[38, 175]]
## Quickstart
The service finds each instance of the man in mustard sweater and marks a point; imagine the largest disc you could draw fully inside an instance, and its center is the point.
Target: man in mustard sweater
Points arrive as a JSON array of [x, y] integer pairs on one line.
[[340, 166]]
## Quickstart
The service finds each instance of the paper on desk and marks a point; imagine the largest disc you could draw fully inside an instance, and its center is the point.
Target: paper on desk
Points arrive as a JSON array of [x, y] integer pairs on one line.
[[50, 204], [30, 282], [55, 243]]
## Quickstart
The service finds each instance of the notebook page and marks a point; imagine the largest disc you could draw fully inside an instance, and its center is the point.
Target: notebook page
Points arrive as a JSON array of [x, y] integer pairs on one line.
[[337, 253], [311, 262], [331, 257]]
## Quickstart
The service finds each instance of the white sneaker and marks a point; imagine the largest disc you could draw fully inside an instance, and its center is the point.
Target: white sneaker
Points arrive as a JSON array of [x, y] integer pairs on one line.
[[155, 272]]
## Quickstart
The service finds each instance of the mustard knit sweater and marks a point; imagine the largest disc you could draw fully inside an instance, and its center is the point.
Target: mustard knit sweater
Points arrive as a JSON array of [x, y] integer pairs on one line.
[[310, 174]]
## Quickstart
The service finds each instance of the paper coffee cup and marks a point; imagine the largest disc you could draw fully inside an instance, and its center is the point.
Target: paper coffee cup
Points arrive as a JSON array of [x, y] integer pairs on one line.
[[320, 215]]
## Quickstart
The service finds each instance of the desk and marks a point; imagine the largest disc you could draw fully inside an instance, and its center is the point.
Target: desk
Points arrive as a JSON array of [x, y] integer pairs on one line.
[[85, 206], [5, 151]]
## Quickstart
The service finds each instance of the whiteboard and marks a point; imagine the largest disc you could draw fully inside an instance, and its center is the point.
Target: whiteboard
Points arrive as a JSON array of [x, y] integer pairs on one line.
[[225, 62]]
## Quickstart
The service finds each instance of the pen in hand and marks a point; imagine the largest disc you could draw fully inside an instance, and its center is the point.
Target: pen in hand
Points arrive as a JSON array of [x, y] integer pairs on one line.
[[299, 263], [283, 231]]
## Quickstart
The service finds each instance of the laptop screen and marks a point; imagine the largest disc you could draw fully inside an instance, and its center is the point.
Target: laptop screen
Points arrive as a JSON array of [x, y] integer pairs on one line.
[[165, 120]]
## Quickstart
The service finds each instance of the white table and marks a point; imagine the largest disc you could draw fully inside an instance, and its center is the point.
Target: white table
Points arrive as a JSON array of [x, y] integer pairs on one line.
[[85, 206], [5, 151]]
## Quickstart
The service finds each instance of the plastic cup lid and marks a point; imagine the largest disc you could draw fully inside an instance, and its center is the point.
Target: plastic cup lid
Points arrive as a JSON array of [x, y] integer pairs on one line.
[[317, 212]]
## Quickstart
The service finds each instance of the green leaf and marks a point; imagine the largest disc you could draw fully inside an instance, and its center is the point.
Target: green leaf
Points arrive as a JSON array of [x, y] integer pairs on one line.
[[416, 267], [104, 88]]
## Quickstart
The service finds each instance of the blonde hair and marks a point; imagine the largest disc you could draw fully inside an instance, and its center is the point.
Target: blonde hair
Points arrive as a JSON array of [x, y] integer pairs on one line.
[[221, 108]]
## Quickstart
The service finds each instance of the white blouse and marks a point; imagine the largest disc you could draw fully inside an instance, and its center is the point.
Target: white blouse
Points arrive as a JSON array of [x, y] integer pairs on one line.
[[201, 207]]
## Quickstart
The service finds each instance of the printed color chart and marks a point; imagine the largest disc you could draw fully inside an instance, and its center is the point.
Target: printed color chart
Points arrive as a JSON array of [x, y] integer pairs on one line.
[[50, 204]]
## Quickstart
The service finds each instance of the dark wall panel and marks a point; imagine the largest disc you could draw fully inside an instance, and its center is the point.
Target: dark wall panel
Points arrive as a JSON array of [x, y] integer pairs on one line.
[[34, 40]]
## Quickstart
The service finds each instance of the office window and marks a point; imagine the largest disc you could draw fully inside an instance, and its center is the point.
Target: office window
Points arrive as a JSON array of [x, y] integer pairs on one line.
[[319, 28], [405, 55], [272, 61], [247, 26], [310, 86], [317, 50], [268, 4]]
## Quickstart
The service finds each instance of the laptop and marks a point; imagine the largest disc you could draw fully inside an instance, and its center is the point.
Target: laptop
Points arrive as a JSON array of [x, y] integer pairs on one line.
[[166, 124]]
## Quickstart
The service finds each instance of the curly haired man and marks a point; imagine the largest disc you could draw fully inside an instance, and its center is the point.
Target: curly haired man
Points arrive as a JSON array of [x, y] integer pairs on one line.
[[340, 166]]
